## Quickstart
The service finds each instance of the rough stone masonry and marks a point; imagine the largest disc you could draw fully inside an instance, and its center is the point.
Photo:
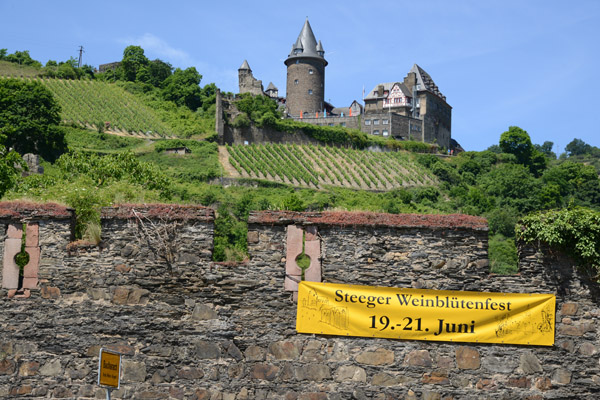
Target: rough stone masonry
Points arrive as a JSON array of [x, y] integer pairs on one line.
[[190, 328]]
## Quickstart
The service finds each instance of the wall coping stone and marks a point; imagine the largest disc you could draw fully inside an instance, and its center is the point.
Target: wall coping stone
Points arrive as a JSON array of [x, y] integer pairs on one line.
[[159, 211], [29, 210], [371, 219]]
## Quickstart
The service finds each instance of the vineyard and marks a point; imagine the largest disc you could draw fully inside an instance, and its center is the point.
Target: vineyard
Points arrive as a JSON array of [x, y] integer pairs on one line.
[[89, 103], [319, 166]]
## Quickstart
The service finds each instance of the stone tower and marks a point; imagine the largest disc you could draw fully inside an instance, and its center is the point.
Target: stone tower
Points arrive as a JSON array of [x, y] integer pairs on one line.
[[247, 82], [305, 74]]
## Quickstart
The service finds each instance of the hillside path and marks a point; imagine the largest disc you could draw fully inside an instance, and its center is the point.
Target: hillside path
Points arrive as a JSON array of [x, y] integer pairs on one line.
[[224, 160]]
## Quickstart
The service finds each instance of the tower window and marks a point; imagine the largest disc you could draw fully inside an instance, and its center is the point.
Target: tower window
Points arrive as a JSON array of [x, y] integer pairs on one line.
[[310, 71], [309, 91], [295, 81]]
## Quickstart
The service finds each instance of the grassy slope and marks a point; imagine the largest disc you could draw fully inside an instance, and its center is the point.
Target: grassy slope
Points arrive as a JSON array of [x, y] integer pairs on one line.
[[12, 70]]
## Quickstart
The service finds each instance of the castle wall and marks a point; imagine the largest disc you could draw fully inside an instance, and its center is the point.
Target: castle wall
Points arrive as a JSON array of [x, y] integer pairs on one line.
[[192, 328], [437, 116], [352, 122], [254, 135]]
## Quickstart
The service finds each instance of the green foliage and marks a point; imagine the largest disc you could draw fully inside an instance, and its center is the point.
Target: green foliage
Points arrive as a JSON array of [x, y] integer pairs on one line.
[[429, 193], [201, 165], [578, 147], [132, 63], [113, 167], [82, 139], [574, 181], [87, 204], [19, 57], [502, 221], [575, 230], [516, 141], [503, 255], [241, 121], [10, 166], [513, 186], [293, 203], [182, 88], [257, 108], [28, 118], [230, 235], [546, 149]]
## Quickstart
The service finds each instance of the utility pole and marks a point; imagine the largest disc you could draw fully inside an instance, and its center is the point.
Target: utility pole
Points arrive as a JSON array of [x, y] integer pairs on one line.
[[80, 56]]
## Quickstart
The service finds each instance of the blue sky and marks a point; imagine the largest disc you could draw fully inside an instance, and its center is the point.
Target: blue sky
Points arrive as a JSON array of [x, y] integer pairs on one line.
[[533, 64]]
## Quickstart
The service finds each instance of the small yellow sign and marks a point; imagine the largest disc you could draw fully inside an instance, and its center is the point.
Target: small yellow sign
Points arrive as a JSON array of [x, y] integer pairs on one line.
[[419, 314], [109, 369]]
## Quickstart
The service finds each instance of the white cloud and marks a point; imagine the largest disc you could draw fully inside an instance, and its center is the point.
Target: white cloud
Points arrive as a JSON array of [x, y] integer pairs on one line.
[[155, 45]]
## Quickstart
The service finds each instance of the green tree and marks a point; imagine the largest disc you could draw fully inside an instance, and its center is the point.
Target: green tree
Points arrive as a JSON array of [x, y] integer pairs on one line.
[[512, 185], [10, 161], [29, 116], [133, 60], [182, 88], [546, 149], [159, 72], [516, 141], [22, 58], [577, 147]]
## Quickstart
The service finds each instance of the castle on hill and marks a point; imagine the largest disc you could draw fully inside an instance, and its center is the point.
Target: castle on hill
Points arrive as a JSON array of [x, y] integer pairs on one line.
[[411, 108]]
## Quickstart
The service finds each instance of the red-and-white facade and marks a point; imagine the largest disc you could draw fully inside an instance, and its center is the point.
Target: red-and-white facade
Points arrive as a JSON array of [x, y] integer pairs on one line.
[[396, 98]]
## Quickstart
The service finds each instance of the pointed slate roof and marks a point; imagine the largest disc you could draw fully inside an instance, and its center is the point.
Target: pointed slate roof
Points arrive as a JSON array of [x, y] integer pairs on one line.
[[306, 45], [245, 65], [425, 82], [271, 87]]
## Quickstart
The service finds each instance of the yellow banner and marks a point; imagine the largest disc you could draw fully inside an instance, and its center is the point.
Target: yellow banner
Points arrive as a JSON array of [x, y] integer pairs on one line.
[[419, 314]]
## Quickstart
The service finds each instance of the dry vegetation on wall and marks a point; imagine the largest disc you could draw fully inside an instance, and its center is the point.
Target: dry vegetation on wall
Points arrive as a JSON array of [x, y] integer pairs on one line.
[[320, 166]]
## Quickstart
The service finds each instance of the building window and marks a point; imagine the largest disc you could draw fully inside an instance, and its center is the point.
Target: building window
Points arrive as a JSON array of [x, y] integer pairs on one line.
[[375, 122], [375, 132], [367, 122], [331, 124], [386, 121], [310, 71], [309, 91], [385, 132], [343, 124], [296, 82]]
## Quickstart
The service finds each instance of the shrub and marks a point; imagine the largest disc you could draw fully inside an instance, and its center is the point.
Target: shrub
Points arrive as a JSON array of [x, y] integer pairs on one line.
[[503, 255]]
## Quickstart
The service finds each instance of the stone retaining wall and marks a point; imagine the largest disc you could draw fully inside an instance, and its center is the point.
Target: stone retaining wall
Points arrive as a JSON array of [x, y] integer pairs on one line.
[[192, 328]]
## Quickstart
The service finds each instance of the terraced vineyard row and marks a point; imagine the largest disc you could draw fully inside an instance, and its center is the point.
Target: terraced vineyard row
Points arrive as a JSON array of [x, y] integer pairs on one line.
[[89, 103], [317, 166]]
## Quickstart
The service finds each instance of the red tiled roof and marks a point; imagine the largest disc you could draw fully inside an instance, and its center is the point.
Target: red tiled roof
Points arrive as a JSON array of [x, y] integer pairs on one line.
[[339, 218]]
